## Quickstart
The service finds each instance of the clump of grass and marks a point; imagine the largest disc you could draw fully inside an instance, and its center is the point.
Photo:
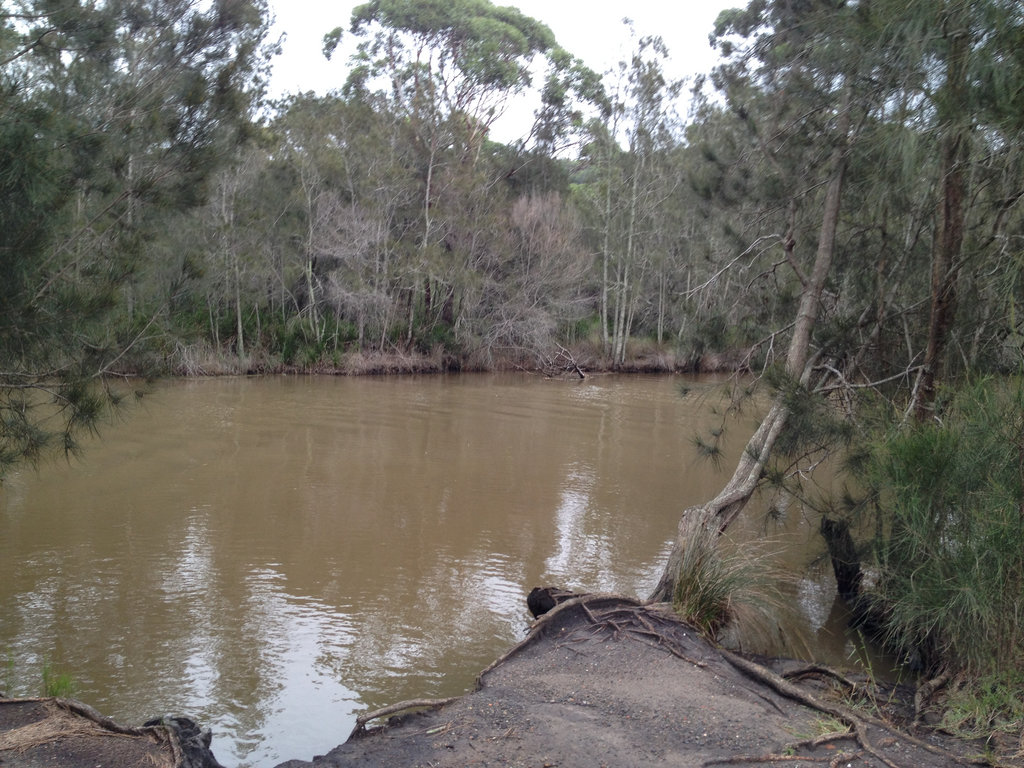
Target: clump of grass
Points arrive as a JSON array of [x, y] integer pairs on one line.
[[717, 588], [991, 704], [57, 684], [825, 725]]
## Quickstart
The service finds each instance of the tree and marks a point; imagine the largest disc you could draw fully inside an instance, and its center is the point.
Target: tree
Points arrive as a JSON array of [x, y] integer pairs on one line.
[[444, 72], [114, 114], [971, 52], [812, 89], [532, 283], [795, 58], [635, 187]]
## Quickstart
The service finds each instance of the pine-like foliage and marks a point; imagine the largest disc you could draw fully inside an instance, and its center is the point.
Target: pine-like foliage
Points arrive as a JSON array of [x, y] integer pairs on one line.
[[950, 497], [112, 115]]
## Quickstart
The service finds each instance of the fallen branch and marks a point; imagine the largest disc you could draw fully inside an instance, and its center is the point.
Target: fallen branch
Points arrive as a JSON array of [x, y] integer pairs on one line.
[[392, 709], [560, 363]]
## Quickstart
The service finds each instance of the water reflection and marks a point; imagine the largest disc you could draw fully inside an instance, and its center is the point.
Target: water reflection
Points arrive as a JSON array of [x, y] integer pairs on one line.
[[273, 556], [584, 554], [302, 643]]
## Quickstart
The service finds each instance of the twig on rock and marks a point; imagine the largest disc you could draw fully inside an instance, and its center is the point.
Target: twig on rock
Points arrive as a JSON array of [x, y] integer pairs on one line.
[[392, 709]]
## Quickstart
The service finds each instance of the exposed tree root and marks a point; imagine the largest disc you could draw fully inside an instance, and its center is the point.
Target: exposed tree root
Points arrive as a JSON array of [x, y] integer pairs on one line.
[[826, 738], [858, 721], [614, 616], [622, 616], [925, 691], [81, 713], [639, 622], [538, 628], [581, 621], [833, 760], [817, 670]]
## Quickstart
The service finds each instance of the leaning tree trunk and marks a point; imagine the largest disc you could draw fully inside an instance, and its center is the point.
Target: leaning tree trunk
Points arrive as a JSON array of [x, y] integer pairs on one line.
[[722, 510]]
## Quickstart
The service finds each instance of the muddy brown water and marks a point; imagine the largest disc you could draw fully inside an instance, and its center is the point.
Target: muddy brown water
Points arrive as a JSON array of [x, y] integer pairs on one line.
[[273, 556]]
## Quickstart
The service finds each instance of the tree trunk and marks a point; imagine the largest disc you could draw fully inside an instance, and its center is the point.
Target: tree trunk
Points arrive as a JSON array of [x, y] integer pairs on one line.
[[619, 352], [661, 307], [950, 236], [605, 258], [412, 313], [722, 510], [606, 246], [239, 328], [718, 513], [843, 553], [309, 187]]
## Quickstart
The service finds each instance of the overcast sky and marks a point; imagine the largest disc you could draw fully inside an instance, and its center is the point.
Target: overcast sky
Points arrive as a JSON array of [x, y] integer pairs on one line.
[[590, 29]]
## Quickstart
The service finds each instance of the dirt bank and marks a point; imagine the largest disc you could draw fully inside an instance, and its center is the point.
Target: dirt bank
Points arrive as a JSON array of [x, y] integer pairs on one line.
[[605, 681], [600, 681], [584, 360]]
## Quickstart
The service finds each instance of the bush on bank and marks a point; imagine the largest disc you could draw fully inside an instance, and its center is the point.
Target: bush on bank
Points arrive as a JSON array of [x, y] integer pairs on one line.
[[947, 503]]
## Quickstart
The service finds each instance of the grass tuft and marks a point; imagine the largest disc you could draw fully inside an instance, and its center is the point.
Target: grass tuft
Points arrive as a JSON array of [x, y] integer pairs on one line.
[[57, 684], [991, 704], [717, 588]]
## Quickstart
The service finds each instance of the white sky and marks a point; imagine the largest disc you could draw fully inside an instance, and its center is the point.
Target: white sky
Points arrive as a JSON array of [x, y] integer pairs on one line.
[[589, 29]]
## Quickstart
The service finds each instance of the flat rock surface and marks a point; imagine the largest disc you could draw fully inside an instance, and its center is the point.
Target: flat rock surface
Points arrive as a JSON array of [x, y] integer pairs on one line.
[[605, 681]]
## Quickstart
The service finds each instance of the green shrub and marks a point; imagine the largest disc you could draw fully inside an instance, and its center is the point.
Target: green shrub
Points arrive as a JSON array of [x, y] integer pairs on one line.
[[950, 500], [438, 335], [976, 708], [298, 343]]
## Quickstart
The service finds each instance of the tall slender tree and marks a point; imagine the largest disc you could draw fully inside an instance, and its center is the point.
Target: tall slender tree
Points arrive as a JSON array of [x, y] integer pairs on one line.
[[794, 82]]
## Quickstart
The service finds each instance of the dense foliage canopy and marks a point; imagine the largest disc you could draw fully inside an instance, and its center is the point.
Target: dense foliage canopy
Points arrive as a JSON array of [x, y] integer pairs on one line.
[[114, 118]]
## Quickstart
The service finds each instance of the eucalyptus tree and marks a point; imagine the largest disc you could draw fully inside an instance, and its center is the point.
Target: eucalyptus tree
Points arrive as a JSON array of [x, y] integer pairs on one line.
[[445, 71], [311, 149], [113, 115], [651, 130], [629, 194], [234, 238], [368, 191], [349, 179]]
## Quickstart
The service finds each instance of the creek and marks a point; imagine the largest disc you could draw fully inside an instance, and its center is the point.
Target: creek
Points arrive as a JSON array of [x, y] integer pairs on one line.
[[272, 556]]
